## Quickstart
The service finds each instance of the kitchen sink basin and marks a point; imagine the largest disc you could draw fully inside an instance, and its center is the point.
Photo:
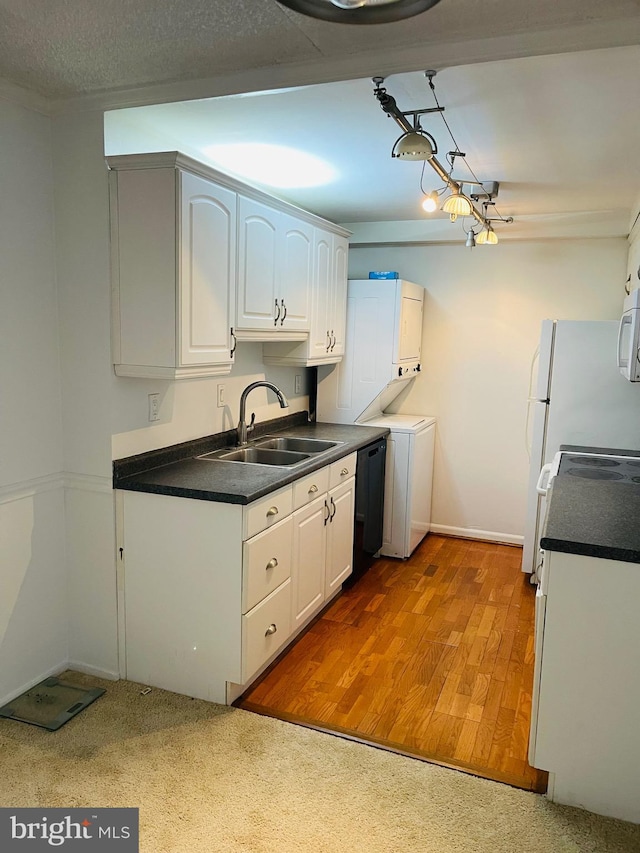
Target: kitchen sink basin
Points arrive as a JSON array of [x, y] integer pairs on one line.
[[300, 445], [257, 456]]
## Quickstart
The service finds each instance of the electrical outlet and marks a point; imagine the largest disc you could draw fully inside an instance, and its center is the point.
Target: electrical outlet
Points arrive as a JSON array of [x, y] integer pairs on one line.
[[154, 407], [220, 396], [297, 384]]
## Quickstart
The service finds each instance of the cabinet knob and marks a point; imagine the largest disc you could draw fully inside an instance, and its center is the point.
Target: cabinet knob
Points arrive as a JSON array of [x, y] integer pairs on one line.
[[273, 562], [313, 489], [344, 472], [271, 629], [273, 510]]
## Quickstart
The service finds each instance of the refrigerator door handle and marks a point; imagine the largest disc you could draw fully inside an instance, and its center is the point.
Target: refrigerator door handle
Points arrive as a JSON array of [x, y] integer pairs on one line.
[[544, 472], [625, 320]]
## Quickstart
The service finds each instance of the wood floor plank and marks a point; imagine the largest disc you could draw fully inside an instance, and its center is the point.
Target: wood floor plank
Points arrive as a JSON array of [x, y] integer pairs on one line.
[[432, 657]]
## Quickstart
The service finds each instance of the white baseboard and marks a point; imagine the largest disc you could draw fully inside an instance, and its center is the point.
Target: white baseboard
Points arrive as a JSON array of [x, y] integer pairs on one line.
[[55, 670], [107, 674], [471, 533], [87, 669]]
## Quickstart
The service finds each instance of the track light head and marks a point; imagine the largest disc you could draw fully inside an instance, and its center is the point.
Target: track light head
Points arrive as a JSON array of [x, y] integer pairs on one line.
[[414, 145], [360, 11]]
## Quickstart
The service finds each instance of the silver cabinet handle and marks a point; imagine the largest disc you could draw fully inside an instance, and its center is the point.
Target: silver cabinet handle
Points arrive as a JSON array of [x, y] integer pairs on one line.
[[271, 629], [275, 322], [328, 515], [313, 489], [273, 510], [273, 562], [328, 341], [344, 472], [333, 341], [284, 312], [235, 343]]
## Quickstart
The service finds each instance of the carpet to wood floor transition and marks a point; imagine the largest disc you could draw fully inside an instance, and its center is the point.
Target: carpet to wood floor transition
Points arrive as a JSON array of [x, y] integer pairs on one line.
[[431, 657]]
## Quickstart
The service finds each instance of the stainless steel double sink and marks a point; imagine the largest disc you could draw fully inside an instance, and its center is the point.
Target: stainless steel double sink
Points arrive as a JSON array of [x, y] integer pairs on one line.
[[283, 451]]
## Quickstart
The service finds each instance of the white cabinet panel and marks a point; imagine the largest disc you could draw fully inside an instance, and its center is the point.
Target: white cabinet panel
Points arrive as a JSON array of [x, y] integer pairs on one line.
[[295, 273], [207, 270], [339, 536], [309, 556], [258, 303]]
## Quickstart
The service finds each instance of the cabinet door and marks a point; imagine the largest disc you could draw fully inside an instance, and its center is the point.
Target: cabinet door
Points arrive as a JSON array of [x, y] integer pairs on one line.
[[207, 271], [307, 565], [339, 247], [295, 273], [258, 304], [340, 536], [321, 294]]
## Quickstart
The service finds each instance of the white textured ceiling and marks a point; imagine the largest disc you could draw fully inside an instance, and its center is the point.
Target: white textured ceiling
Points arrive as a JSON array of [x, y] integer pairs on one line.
[[541, 94], [65, 48]]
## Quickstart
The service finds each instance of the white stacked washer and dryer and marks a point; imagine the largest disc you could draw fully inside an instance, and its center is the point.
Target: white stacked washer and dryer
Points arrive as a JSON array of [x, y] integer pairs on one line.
[[382, 356]]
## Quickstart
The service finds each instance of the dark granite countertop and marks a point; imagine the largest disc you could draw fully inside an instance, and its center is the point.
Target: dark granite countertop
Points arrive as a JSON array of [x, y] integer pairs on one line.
[[175, 471], [593, 518]]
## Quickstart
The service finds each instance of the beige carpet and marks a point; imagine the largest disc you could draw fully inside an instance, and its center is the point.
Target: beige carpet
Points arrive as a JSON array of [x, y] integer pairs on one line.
[[208, 778]]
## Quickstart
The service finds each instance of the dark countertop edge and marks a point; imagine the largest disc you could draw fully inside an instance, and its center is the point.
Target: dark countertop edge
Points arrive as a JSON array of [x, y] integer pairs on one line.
[[129, 483], [585, 549], [150, 459]]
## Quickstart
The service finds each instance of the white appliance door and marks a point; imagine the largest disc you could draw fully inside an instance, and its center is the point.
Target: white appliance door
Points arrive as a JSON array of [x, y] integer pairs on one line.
[[410, 332], [591, 403], [420, 485], [396, 496]]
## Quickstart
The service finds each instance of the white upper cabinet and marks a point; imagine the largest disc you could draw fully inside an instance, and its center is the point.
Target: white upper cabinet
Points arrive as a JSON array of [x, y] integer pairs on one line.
[[201, 260], [274, 272], [173, 271], [328, 307]]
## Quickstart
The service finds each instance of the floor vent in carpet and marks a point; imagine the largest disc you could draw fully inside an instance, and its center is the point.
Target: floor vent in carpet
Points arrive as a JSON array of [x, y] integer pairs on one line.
[[50, 704]]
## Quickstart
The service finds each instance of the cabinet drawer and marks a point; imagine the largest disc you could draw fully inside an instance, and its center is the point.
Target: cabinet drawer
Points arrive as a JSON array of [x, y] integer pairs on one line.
[[266, 562], [340, 471], [267, 511], [310, 487], [265, 629]]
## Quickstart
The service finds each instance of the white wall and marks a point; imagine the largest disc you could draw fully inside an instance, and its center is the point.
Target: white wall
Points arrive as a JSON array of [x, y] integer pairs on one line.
[[483, 310], [33, 599]]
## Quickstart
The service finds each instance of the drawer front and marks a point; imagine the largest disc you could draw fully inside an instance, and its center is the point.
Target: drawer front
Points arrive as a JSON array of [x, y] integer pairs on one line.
[[310, 487], [266, 562], [265, 629], [341, 470], [267, 511]]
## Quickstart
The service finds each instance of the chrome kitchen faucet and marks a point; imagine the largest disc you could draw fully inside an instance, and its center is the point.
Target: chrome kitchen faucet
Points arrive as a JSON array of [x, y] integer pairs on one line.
[[243, 429]]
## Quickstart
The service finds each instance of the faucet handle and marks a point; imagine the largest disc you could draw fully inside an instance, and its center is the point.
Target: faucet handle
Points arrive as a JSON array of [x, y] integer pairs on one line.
[[252, 423]]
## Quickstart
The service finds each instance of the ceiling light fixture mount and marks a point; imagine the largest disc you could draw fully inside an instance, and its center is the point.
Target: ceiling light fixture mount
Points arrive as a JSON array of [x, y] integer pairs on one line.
[[360, 11], [420, 145]]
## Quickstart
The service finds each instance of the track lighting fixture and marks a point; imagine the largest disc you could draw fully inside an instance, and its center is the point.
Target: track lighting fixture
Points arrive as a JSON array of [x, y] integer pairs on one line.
[[416, 144], [360, 11], [457, 204], [487, 236], [430, 202]]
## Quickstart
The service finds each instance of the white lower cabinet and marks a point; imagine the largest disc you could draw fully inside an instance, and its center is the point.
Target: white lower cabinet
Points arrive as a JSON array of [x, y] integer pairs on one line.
[[213, 591]]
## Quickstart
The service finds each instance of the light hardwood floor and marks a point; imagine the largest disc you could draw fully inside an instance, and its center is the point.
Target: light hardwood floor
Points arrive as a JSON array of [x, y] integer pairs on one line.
[[432, 657]]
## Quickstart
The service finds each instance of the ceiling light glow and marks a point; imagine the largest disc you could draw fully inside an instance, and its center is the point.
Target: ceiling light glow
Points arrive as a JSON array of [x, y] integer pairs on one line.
[[271, 165]]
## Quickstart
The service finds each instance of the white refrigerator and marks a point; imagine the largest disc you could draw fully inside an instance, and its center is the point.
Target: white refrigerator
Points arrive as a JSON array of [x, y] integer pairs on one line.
[[578, 397]]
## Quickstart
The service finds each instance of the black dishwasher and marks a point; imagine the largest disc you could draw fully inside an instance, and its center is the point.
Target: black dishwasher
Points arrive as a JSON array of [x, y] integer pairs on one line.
[[369, 510]]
